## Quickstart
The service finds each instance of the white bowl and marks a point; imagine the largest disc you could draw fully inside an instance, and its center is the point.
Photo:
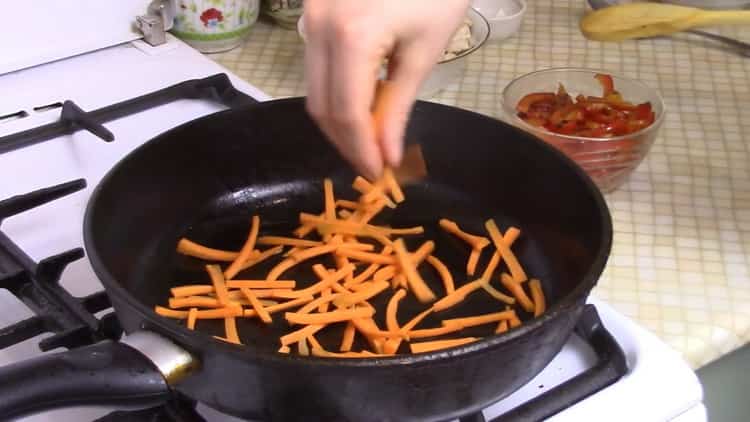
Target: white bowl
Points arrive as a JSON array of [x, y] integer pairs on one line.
[[446, 71], [504, 16]]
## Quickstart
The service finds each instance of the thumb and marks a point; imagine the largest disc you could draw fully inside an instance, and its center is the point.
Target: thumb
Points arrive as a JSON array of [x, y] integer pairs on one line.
[[394, 100]]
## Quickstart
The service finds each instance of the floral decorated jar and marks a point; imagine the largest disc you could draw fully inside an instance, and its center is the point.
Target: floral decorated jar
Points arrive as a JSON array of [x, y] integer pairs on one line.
[[212, 26], [285, 13]]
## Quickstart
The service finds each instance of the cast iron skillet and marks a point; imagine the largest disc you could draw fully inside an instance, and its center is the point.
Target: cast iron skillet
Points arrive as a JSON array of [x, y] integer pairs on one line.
[[206, 178]]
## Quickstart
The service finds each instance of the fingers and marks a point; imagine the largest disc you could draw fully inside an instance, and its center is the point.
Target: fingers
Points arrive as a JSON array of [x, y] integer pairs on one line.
[[408, 68], [354, 64]]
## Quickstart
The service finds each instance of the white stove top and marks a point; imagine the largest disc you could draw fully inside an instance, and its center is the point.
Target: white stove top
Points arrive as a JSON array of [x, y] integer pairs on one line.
[[659, 386]]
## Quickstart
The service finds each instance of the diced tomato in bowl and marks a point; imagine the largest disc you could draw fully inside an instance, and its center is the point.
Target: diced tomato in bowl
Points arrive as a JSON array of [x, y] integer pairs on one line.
[[605, 123]]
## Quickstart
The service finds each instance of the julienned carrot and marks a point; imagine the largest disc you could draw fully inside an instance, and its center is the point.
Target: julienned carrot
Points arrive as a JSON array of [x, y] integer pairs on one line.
[[257, 306], [261, 284], [329, 200], [416, 283], [327, 294], [257, 259], [302, 348], [170, 313], [457, 296], [195, 301], [510, 259], [328, 317], [516, 289], [344, 214], [480, 319], [349, 205], [190, 248], [371, 211], [430, 346], [357, 246], [364, 275], [537, 295], [476, 242], [392, 184], [298, 335], [220, 313], [347, 340], [230, 327], [191, 290], [246, 251], [367, 327], [370, 290], [385, 273], [287, 241], [298, 257], [514, 322], [373, 258], [281, 306], [284, 349], [391, 311], [313, 342], [471, 263], [434, 332], [402, 231], [422, 252], [502, 297], [443, 272], [192, 317], [491, 267], [344, 227], [326, 282], [220, 287], [501, 327], [377, 191], [416, 320]]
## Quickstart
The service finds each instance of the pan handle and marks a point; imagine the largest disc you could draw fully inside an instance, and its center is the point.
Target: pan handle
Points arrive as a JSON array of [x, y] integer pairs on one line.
[[133, 375]]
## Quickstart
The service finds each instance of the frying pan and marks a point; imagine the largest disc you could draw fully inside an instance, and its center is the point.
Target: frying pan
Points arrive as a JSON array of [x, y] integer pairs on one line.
[[205, 179]]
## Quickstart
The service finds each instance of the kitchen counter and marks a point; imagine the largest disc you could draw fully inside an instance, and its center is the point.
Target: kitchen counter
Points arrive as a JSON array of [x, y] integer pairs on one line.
[[680, 261]]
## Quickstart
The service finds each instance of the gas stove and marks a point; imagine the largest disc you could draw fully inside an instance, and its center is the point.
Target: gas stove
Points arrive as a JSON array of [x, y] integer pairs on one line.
[[64, 124]]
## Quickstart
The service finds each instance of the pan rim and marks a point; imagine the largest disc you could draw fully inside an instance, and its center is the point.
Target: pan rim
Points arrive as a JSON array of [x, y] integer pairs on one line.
[[191, 339]]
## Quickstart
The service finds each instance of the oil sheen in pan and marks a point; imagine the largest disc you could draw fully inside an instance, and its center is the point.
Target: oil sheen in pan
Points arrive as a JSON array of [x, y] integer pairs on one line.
[[225, 222]]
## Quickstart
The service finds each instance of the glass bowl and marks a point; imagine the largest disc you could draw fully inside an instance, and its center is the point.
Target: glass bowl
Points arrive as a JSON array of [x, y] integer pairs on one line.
[[608, 161]]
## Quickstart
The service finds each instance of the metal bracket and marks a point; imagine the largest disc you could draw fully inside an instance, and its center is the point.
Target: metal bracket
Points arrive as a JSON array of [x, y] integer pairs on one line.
[[157, 20]]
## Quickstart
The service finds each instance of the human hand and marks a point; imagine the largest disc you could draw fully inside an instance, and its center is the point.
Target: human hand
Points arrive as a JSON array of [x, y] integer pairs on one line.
[[347, 42]]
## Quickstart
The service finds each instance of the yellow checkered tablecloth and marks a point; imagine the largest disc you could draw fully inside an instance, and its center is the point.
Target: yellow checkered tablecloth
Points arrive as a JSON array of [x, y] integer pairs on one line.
[[681, 256]]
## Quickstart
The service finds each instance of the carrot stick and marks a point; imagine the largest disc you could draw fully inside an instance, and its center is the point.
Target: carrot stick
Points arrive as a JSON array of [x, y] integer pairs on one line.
[[348, 339], [416, 320], [444, 273], [344, 214], [502, 327], [262, 257], [192, 316], [422, 252], [311, 306], [430, 346], [391, 311], [457, 296], [230, 327], [326, 282], [510, 259], [367, 272], [287, 241], [296, 258], [195, 301], [345, 227], [361, 185], [385, 273], [514, 322], [473, 321], [191, 290], [367, 326], [246, 250], [257, 306], [313, 342], [491, 267], [373, 210], [371, 290], [220, 287], [300, 334], [261, 284], [281, 306], [328, 317], [416, 283], [220, 313], [328, 295], [537, 295], [170, 313], [502, 297], [516, 289], [190, 248], [373, 258], [434, 332], [350, 205], [392, 184], [329, 200], [284, 349], [401, 231], [471, 264], [476, 242], [357, 246]]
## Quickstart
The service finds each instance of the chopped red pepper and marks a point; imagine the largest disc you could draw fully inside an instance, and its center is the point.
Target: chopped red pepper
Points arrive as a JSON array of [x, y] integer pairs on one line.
[[587, 116]]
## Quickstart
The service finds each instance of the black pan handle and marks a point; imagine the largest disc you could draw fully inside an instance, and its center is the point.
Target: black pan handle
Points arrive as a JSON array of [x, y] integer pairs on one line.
[[107, 373]]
